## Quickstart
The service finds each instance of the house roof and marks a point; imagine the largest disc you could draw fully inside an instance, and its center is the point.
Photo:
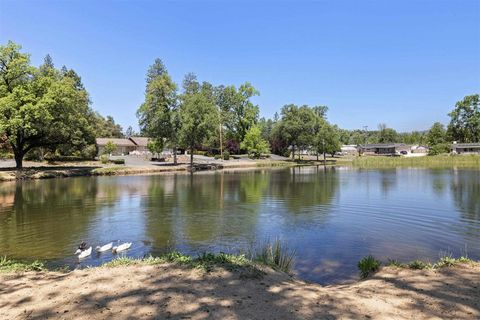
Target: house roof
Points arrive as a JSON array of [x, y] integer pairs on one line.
[[382, 145], [466, 145], [117, 141], [140, 141]]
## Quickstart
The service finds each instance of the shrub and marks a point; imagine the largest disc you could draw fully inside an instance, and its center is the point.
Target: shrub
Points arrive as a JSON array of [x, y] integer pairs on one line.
[[232, 146], [395, 263], [276, 255], [226, 155], [57, 158], [118, 161], [367, 266], [418, 265], [104, 159], [217, 157]]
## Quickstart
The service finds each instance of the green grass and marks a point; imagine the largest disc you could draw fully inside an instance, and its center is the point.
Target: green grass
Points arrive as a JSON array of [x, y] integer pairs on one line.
[[205, 261], [440, 161], [368, 265], [419, 265], [395, 264], [276, 255], [7, 265], [446, 260]]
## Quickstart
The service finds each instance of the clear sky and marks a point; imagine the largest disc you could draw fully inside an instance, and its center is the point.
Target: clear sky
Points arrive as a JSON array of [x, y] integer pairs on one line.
[[403, 63]]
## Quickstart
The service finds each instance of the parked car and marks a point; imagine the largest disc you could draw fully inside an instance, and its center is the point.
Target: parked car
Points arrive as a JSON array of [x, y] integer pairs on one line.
[[403, 152]]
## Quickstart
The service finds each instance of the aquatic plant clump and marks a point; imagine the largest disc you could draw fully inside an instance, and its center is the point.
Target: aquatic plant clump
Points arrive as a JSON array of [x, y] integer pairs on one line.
[[367, 266], [276, 255]]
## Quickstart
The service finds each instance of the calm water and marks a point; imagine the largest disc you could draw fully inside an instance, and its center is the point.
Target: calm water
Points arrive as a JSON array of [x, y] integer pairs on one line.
[[331, 218]]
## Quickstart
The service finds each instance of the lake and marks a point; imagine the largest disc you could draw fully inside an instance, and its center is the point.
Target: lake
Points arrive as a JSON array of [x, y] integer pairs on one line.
[[332, 218]]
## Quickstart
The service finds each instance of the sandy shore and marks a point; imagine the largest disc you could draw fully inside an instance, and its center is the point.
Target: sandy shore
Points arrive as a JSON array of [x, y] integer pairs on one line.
[[170, 291]]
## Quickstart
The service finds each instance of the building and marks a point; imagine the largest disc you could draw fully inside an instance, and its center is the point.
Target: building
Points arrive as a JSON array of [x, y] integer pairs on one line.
[[349, 149], [420, 149], [466, 148], [386, 149], [141, 143], [124, 146]]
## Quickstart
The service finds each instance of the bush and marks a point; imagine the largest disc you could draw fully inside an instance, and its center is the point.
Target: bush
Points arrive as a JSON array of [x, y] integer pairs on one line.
[[118, 161], [418, 265], [57, 158], [104, 159], [438, 149], [217, 157], [6, 155], [367, 266], [276, 255], [226, 155]]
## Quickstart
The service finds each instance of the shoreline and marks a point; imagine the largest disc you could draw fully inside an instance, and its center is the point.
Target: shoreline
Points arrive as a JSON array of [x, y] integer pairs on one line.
[[49, 172], [230, 291], [66, 170]]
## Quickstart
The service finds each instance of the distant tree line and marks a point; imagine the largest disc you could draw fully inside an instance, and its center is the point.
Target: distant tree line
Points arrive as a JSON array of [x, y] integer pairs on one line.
[[45, 110]]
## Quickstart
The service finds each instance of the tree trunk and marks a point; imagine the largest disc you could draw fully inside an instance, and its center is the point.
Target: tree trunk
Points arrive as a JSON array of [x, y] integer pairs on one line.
[[19, 160], [191, 157], [293, 152], [175, 155], [317, 156]]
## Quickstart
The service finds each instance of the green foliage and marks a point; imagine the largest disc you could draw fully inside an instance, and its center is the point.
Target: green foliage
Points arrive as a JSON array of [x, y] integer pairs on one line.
[[296, 126], [276, 255], [106, 127], [155, 146], [326, 139], [104, 159], [418, 265], [386, 135], [367, 266], [40, 107], [436, 139], [118, 161], [395, 263], [205, 261], [196, 113], [438, 149], [109, 148], [254, 143], [7, 265], [465, 120], [238, 113], [226, 155], [158, 115]]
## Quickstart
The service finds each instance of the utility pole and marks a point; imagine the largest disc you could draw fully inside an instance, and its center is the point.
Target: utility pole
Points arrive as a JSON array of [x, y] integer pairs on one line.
[[324, 158], [220, 129]]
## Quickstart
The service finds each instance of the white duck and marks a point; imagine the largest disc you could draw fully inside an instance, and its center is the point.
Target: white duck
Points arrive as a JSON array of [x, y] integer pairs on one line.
[[85, 253], [105, 247], [122, 247]]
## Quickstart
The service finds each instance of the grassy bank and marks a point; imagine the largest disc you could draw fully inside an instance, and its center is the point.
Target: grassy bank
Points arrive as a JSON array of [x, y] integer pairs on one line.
[[369, 265], [441, 161], [273, 254]]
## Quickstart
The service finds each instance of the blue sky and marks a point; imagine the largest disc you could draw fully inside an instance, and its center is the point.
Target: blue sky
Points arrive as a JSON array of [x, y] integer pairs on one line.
[[403, 63]]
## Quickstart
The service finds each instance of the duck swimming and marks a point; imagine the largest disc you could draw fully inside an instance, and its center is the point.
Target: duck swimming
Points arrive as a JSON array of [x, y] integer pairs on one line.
[[105, 247], [85, 253], [122, 247], [81, 247]]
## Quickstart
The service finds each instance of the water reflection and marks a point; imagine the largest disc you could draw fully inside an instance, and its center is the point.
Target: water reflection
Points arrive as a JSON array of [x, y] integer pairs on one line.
[[331, 217]]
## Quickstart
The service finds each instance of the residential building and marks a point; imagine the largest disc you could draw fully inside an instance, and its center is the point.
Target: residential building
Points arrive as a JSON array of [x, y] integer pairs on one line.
[[466, 148], [385, 149], [124, 145]]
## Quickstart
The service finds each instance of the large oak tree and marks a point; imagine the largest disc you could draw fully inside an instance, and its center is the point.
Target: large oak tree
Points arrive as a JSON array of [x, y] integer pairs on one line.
[[39, 107]]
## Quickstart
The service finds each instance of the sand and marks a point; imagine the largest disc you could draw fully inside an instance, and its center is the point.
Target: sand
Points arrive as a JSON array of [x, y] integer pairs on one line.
[[170, 291]]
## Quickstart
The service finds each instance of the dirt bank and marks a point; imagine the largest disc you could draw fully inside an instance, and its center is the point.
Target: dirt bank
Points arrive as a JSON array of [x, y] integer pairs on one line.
[[171, 291]]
